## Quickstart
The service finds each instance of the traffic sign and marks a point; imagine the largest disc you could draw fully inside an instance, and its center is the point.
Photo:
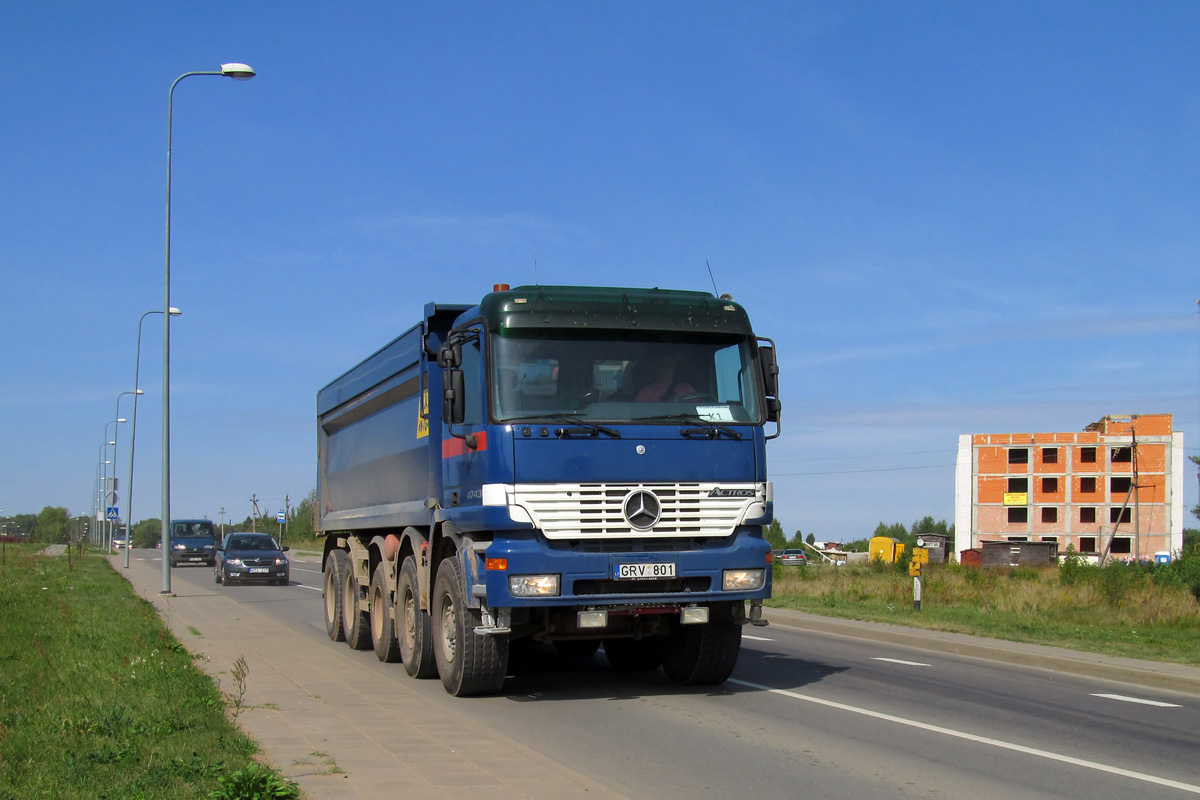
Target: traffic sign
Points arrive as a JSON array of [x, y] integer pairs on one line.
[[113, 513], [279, 518]]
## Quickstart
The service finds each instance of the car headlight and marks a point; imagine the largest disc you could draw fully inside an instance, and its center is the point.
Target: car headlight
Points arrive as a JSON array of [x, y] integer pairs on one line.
[[743, 580], [177, 547], [281, 562], [236, 562], [533, 585]]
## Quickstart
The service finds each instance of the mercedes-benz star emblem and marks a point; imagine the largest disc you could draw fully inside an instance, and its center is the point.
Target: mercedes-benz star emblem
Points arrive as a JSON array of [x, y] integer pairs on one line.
[[642, 509]]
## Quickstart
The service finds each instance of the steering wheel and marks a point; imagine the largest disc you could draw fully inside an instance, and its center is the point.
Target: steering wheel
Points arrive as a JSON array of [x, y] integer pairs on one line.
[[708, 398]]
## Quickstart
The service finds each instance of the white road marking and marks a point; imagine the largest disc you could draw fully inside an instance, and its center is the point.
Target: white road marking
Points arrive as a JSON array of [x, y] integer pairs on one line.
[[900, 661], [756, 638], [1125, 699], [971, 737]]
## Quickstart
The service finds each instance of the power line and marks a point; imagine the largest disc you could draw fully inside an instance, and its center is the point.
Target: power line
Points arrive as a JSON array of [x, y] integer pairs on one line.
[[873, 455]]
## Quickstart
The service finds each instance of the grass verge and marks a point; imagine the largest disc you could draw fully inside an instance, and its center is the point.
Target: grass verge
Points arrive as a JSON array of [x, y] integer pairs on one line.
[[97, 697], [1119, 612]]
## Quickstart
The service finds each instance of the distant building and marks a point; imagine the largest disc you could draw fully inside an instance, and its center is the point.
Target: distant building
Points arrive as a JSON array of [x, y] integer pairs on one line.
[[1115, 488]]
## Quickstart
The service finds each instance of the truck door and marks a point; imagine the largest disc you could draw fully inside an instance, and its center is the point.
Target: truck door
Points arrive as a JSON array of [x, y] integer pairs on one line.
[[462, 466]]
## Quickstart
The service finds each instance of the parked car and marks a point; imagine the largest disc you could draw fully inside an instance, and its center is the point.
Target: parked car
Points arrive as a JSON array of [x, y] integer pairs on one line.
[[793, 557], [251, 557]]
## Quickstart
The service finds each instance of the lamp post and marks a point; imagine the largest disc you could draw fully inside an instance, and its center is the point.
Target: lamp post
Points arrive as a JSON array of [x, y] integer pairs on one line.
[[107, 492], [135, 393], [101, 478], [239, 72], [137, 371]]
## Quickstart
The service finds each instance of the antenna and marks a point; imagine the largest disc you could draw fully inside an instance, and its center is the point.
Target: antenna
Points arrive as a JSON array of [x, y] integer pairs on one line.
[[711, 278]]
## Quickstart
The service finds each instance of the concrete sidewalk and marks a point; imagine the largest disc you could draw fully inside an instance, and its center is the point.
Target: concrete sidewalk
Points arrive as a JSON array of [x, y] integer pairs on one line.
[[339, 729]]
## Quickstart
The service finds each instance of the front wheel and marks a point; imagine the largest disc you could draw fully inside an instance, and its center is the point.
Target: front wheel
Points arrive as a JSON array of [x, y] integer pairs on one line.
[[702, 655], [468, 663]]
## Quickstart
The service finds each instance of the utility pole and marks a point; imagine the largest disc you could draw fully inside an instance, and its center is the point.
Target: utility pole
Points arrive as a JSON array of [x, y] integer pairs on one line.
[[254, 515], [222, 523], [287, 513]]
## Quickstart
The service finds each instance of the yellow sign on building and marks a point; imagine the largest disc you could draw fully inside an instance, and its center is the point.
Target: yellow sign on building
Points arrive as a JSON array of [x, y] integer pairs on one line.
[[1016, 498]]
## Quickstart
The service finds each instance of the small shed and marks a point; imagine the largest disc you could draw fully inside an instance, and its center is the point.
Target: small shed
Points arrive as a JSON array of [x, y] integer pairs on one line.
[[885, 548], [937, 545], [971, 558], [1019, 554]]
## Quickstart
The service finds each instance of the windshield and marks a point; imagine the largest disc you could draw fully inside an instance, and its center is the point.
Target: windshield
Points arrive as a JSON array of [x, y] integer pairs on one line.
[[624, 376], [184, 530]]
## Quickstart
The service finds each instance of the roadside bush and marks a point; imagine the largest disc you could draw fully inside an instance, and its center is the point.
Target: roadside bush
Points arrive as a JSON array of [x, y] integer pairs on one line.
[[255, 782]]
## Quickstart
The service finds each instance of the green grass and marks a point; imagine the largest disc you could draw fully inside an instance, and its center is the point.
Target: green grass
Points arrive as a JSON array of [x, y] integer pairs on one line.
[[97, 698], [1120, 612]]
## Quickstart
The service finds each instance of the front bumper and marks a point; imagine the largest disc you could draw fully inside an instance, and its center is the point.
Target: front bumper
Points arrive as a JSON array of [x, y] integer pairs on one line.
[[587, 576]]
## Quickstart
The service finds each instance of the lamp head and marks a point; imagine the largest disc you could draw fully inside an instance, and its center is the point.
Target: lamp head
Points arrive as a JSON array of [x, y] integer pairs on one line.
[[239, 72], [174, 312]]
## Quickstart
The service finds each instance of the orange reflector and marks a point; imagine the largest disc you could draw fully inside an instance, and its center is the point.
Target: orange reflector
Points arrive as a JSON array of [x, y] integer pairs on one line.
[[496, 563], [500, 287], [770, 556]]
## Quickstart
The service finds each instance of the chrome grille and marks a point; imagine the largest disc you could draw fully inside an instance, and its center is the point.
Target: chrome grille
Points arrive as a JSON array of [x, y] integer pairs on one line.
[[594, 510]]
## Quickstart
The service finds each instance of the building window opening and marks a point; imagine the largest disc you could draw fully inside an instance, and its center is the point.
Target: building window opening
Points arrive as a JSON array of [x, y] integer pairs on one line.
[[1087, 544], [1087, 485], [1018, 484], [1122, 455], [1121, 545], [1050, 514], [1049, 538], [1087, 514], [1049, 455], [1018, 455], [1020, 514], [1120, 514], [1120, 485], [1050, 485], [1087, 455]]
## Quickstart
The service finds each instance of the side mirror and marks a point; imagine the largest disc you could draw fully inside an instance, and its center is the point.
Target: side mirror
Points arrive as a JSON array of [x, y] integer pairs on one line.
[[286, 548], [453, 397], [770, 368], [773, 409]]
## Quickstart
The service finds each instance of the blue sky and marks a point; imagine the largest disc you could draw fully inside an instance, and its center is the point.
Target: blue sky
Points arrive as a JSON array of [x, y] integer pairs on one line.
[[952, 217]]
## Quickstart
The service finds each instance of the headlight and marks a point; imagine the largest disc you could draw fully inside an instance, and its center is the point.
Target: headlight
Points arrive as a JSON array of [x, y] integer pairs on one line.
[[177, 547], [281, 562], [236, 562], [533, 585], [743, 580]]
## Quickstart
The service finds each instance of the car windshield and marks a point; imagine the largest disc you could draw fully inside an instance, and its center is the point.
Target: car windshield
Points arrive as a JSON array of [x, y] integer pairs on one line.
[[185, 530], [252, 543], [624, 376]]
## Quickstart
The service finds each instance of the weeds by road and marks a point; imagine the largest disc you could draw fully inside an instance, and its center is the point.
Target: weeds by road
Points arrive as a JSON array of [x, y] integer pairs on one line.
[[1122, 610], [98, 699]]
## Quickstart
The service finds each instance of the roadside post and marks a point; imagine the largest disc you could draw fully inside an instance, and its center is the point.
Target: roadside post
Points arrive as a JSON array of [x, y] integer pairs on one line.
[[920, 556]]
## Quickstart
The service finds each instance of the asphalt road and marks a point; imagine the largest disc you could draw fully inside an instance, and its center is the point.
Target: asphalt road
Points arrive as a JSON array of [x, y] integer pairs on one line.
[[815, 715]]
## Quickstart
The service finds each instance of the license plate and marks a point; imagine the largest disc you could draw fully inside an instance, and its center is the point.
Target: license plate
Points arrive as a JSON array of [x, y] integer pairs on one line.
[[196, 558], [642, 572], [260, 569]]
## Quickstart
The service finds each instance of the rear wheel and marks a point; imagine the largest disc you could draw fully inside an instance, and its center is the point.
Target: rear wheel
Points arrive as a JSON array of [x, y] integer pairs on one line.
[[632, 655], [336, 564], [383, 632], [468, 663], [702, 655], [413, 628], [355, 621]]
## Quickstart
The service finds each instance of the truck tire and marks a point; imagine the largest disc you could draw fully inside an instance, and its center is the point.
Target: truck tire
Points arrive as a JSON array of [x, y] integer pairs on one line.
[[336, 564], [355, 621], [413, 629], [702, 655], [632, 655], [469, 664], [383, 632]]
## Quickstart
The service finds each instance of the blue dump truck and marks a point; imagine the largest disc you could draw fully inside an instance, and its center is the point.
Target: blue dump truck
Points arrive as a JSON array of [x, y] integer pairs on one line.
[[576, 465]]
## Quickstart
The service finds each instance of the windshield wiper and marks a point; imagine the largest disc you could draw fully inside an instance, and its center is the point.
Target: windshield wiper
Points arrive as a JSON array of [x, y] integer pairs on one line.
[[707, 426], [569, 418]]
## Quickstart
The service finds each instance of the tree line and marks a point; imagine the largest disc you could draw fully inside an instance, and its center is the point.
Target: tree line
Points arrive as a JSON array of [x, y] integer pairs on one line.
[[897, 530]]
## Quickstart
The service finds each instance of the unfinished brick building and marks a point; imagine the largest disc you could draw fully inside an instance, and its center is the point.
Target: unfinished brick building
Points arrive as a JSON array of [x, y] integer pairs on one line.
[[1113, 490]]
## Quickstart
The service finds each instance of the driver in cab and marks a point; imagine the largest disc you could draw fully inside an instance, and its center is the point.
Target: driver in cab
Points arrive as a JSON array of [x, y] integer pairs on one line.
[[665, 386]]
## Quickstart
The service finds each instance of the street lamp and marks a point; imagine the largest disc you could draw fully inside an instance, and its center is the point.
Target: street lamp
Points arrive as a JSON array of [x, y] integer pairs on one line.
[[113, 443], [239, 72], [101, 468], [135, 393], [137, 370]]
